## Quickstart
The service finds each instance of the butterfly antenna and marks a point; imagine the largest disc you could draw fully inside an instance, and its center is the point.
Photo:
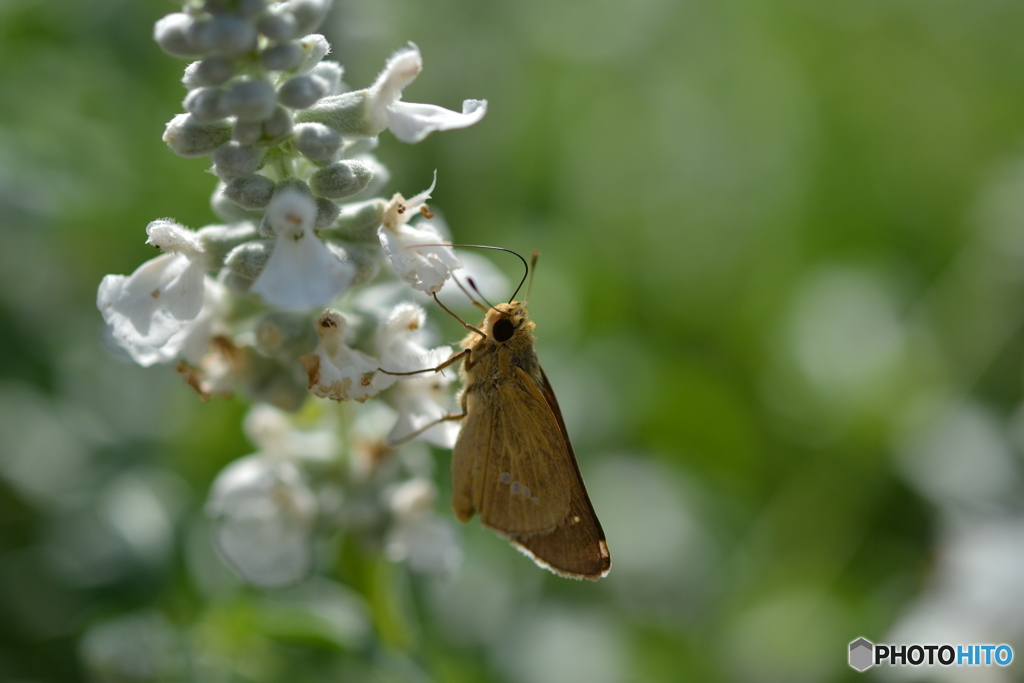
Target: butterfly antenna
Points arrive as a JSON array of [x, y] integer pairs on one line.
[[532, 270], [485, 246]]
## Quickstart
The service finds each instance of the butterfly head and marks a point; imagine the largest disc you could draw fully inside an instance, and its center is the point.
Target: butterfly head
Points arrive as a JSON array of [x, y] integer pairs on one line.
[[507, 321]]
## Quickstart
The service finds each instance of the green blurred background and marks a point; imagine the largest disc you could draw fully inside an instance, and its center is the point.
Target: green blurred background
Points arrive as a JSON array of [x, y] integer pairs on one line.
[[780, 298]]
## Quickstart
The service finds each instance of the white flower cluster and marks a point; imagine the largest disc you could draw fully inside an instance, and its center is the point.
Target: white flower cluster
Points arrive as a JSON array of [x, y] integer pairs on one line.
[[272, 301]]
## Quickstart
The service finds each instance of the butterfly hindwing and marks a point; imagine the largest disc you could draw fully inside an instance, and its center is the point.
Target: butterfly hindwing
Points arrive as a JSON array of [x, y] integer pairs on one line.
[[577, 547]]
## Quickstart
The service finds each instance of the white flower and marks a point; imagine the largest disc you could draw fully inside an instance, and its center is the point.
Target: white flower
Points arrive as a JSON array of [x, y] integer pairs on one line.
[[217, 370], [145, 309], [263, 515], [399, 345], [412, 122], [335, 370], [426, 542], [301, 271], [422, 401], [192, 341], [366, 441], [274, 432], [426, 268]]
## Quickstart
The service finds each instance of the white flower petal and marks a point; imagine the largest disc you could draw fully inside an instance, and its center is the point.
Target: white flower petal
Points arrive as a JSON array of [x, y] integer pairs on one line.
[[193, 340], [267, 427], [410, 122], [424, 401], [302, 273], [291, 212], [335, 370], [399, 343], [401, 69], [414, 203], [265, 551], [400, 210], [274, 431], [136, 326], [425, 268], [428, 543], [263, 515], [170, 236], [145, 309], [182, 296], [412, 498]]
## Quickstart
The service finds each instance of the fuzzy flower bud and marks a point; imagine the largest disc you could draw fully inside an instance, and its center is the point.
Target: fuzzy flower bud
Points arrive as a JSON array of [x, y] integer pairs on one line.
[[326, 213], [314, 48], [216, 70], [206, 104], [381, 176], [358, 222], [341, 179], [345, 113], [244, 264], [251, 100], [278, 24], [247, 132], [232, 160], [172, 34], [189, 138], [230, 212], [191, 79], [251, 8], [331, 74], [301, 92], [278, 126], [219, 240], [251, 191], [317, 142], [231, 35], [308, 13], [282, 57]]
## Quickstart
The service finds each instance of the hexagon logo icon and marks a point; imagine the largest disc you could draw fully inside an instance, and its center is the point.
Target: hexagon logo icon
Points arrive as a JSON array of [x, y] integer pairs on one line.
[[861, 651]]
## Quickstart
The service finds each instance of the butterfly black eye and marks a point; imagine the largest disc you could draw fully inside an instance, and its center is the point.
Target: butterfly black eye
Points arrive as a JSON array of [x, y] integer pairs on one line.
[[502, 329]]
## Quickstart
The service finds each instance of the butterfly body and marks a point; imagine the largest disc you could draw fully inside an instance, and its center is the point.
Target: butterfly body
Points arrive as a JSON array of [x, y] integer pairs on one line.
[[513, 463]]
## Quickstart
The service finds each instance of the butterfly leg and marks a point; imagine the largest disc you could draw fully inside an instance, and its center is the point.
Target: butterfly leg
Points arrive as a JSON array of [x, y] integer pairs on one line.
[[413, 435], [464, 323], [451, 361]]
